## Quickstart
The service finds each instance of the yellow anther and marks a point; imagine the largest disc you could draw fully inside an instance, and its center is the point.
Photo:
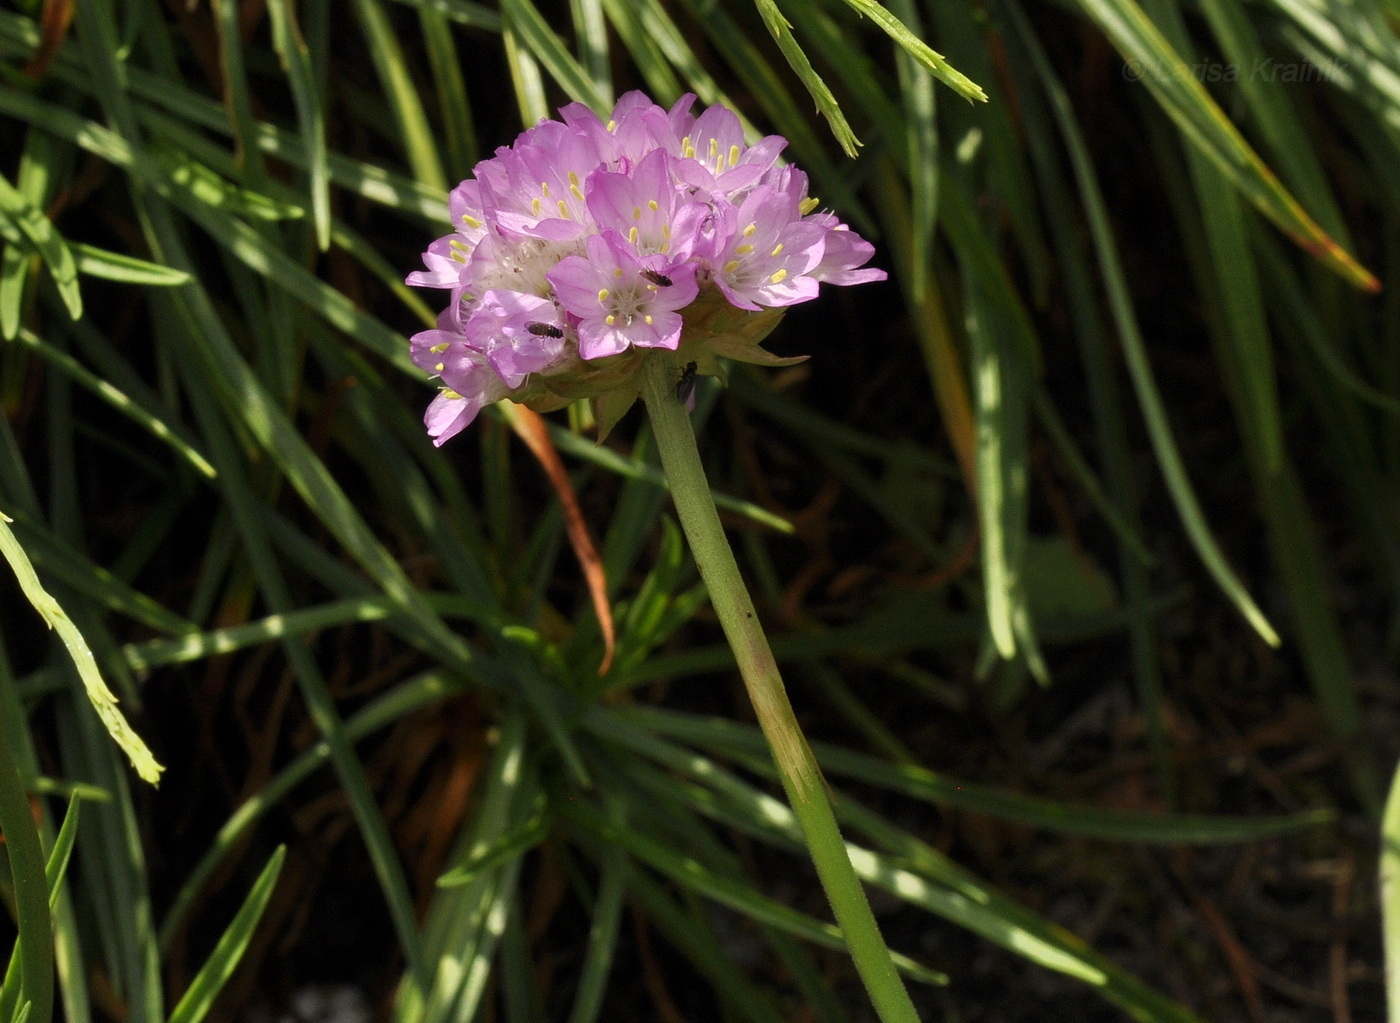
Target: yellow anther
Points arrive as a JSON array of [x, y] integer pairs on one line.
[[472, 222], [617, 271], [460, 257], [535, 205], [632, 235], [750, 230], [777, 276], [439, 367], [636, 213], [687, 150], [602, 294], [733, 156], [714, 154], [651, 205], [577, 192], [807, 205], [563, 209], [610, 319], [648, 319], [611, 125], [450, 394], [776, 249], [439, 349], [544, 189], [731, 266], [743, 250]]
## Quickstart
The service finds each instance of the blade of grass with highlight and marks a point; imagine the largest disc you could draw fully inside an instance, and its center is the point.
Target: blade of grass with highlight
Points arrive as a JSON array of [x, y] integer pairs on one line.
[[1140, 372], [781, 31], [1202, 121], [411, 121], [57, 619], [218, 968]]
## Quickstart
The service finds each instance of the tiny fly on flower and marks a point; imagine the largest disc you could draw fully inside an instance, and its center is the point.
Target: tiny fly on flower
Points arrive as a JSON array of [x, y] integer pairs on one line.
[[544, 330], [685, 386], [660, 280]]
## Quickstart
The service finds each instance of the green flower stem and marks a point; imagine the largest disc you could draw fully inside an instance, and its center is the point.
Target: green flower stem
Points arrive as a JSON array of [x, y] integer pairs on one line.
[[798, 769], [31, 890]]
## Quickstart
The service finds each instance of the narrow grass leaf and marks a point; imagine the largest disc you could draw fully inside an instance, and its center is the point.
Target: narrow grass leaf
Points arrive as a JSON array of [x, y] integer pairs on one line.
[[1389, 870], [918, 49], [1140, 370], [920, 783], [1201, 120], [219, 967], [56, 618], [117, 266], [614, 871], [117, 400], [530, 28], [781, 31], [46, 241], [415, 134], [62, 851], [301, 79]]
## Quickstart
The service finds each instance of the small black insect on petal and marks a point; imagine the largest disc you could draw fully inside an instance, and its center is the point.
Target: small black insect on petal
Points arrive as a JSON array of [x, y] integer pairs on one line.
[[685, 386], [660, 280], [544, 330]]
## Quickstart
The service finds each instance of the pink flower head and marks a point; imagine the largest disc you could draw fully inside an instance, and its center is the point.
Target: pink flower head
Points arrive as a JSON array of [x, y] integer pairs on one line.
[[619, 301], [591, 236]]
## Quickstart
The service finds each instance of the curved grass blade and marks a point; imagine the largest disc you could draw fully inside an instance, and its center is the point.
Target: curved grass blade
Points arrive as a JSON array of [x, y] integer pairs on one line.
[[918, 49], [296, 64], [56, 618], [1139, 367], [781, 31], [1186, 101], [46, 241], [691, 873], [735, 739], [117, 266], [117, 400], [1389, 876], [614, 872], [912, 871], [415, 133], [217, 969], [530, 28], [33, 980]]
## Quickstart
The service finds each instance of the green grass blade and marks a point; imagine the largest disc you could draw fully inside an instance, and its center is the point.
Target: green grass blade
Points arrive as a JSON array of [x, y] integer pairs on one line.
[[1390, 896], [46, 241], [459, 140], [296, 64], [33, 981], [733, 739], [1140, 371], [918, 49], [1201, 120], [214, 974], [118, 400], [117, 266], [57, 619], [62, 851], [781, 31], [415, 134], [531, 29], [614, 871]]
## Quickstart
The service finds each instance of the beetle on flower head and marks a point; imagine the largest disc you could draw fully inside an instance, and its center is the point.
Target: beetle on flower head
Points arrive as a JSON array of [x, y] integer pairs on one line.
[[588, 242]]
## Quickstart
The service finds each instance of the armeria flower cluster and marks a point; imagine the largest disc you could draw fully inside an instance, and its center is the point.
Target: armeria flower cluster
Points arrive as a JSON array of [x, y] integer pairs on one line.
[[588, 241]]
